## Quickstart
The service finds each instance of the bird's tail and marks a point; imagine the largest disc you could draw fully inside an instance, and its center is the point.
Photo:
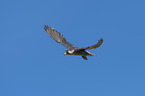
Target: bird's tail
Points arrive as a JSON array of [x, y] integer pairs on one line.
[[90, 54]]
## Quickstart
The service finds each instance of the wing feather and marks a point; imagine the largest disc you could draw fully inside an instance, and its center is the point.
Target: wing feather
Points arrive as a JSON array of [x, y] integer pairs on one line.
[[94, 46], [58, 37]]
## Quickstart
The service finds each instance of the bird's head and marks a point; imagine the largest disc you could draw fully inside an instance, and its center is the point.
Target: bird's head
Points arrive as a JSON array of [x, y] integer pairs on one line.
[[68, 52]]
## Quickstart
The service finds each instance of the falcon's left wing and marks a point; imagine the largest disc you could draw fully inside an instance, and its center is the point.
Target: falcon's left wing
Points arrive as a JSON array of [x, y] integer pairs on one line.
[[94, 46]]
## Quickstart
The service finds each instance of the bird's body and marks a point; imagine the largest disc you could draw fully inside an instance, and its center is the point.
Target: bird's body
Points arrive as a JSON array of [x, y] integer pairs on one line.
[[79, 52], [72, 49]]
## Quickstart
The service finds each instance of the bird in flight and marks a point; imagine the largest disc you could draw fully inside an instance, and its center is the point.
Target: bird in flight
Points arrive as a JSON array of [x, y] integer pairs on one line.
[[72, 49]]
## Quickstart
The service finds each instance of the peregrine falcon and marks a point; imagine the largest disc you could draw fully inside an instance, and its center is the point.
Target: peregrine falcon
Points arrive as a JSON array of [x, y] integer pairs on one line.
[[72, 49]]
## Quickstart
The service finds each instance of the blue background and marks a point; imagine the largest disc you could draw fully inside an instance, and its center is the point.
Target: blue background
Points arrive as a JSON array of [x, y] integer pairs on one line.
[[33, 64]]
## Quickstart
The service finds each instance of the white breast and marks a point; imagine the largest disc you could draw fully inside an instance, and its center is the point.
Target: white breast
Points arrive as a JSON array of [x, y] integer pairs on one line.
[[70, 51]]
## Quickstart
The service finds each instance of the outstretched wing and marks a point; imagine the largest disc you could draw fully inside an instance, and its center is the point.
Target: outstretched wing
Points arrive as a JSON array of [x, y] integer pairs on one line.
[[58, 37], [94, 46]]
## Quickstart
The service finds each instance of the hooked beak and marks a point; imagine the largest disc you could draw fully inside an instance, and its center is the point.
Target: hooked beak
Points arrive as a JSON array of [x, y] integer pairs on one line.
[[65, 53]]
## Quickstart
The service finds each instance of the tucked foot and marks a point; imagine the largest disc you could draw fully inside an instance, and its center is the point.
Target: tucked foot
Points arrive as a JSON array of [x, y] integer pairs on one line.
[[84, 57]]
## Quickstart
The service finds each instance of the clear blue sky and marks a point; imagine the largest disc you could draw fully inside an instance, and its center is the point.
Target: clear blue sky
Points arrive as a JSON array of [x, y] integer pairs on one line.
[[33, 64]]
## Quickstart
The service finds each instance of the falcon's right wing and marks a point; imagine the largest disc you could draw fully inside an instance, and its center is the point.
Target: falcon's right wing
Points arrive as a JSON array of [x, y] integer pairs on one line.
[[58, 37]]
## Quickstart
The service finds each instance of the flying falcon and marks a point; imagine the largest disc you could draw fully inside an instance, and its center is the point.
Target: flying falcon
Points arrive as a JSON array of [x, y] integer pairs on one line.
[[72, 49]]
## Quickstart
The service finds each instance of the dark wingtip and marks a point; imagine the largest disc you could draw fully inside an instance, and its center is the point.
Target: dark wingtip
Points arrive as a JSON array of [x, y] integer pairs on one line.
[[100, 40], [45, 26]]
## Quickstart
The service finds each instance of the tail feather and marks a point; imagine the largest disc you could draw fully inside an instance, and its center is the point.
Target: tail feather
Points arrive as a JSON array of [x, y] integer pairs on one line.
[[91, 54]]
